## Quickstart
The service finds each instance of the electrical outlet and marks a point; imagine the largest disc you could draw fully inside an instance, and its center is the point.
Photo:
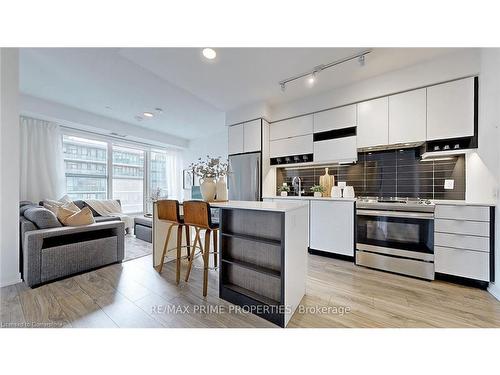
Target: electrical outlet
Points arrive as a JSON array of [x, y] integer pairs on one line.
[[449, 184], [341, 184]]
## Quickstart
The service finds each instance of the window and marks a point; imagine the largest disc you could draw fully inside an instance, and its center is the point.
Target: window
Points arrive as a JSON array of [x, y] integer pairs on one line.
[[157, 176], [128, 178], [86, 168], [90, 174]]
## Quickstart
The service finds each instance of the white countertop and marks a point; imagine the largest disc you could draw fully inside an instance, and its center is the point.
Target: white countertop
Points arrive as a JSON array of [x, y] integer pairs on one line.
[[261, 206], [435, 201], [461, 203], [307, 197]]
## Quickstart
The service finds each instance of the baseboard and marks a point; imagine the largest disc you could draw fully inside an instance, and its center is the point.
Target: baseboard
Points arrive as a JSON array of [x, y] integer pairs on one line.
[[494, 290], [10, 282]]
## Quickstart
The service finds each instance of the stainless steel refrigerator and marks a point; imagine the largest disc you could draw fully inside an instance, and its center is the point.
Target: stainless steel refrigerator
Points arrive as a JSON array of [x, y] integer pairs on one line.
[[244, 180]]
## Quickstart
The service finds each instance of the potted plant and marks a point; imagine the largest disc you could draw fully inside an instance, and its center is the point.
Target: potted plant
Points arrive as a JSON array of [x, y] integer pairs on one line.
[[284, 190], [208, 171], [318, 190]]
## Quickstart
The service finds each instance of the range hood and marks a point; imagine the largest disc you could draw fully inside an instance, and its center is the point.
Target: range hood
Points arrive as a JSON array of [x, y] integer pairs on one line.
[[449, 147], [395, 146]]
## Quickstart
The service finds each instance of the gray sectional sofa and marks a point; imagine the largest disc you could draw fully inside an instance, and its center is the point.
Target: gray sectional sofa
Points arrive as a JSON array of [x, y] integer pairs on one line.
[[50, 251]]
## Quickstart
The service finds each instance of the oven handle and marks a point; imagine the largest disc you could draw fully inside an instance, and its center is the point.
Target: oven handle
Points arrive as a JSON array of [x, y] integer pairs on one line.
[[411, 215]]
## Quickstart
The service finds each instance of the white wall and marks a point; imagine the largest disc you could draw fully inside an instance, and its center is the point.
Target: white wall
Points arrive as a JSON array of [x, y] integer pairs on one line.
[[248, 112], [489, 121], [441, 69], [74, 117], [214, 145], [9, 164]]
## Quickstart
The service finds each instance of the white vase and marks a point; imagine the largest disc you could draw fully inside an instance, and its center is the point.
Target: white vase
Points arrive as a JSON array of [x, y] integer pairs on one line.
[[284, 193], [221, 189], [208, 189], [317, 194]]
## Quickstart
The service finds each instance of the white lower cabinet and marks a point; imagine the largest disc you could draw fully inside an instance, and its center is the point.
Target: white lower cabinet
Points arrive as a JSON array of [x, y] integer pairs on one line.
[[462, 244], [464, 263], [332, 227]]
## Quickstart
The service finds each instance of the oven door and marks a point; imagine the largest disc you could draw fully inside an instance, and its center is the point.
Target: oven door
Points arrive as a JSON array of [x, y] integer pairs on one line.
[[395, 232]]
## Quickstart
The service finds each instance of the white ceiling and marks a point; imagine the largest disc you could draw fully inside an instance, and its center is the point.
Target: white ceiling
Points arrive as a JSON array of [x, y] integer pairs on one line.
[[193, 91], [92, 79]]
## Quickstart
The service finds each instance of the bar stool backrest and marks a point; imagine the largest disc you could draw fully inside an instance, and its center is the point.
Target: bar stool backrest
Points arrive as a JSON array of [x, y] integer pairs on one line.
[[168, 210], [197, 213]]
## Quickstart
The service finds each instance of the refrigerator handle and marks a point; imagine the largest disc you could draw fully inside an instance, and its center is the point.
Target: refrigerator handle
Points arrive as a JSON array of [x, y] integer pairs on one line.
[[257, 198]]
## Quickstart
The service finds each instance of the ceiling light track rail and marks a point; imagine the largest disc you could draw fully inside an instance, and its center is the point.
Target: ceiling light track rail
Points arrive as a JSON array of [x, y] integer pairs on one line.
[[317, 69]]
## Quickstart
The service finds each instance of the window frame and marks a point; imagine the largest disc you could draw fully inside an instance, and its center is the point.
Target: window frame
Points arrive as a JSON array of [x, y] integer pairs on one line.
[[113, 141]]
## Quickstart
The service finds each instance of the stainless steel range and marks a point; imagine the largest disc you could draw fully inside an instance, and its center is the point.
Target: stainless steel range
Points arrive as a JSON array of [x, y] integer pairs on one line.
[[396, 235]]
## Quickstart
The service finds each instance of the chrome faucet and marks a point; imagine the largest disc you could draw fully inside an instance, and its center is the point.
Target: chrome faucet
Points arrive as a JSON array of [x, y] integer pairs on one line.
[[300, 184]]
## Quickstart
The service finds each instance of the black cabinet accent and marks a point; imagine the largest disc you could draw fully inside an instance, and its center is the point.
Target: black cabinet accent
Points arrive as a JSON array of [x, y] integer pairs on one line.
[[333, 134], [292, 159]]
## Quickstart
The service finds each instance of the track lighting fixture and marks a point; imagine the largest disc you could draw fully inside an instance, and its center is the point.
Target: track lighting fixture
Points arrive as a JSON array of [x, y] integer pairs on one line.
[[312, 75], [361, 60]]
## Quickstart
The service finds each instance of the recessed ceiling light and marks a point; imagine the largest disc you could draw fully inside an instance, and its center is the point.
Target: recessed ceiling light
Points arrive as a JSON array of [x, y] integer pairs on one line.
[[148, 114], [209, 53]]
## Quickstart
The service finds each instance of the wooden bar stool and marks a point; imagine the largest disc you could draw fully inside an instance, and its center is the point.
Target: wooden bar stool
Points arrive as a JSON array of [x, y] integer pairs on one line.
[[197, 215], [168, 210]]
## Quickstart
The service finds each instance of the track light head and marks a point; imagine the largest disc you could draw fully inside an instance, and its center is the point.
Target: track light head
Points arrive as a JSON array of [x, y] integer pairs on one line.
[[361, 60], [283, 87]]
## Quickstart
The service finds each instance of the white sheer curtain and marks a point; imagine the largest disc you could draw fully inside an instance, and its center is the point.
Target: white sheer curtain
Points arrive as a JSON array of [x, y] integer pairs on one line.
[[42, 168], [174, 174]]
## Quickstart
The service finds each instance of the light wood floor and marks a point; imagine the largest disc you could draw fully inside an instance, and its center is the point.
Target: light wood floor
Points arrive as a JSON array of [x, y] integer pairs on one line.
[[135, 248], [133, 294]]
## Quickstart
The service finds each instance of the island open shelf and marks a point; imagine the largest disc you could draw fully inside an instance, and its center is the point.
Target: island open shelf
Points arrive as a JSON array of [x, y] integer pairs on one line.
[[263, 257]]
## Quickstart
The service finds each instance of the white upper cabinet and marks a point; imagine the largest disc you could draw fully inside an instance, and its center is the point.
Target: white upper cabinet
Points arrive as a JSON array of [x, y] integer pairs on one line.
[[235, 139], [252, 136], [450, 110], [373, 123], [337, 118], [244, 137], [291, 146], [291, 128], [336, 150], [407, 117]]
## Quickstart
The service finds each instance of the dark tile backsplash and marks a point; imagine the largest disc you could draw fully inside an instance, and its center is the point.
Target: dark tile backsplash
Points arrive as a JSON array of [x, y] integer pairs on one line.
[[393, 173]]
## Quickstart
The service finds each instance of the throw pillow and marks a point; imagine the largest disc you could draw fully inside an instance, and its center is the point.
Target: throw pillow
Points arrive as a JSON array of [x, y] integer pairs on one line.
[[65, 199], [42, 217], [63, 213], [53, 205], [82, 217]]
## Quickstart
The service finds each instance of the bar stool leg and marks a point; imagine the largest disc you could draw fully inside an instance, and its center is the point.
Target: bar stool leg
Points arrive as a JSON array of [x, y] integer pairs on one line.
[[178, 260], [216, 251], [206, 254], [165, 247], [188, 241], [191, 258]]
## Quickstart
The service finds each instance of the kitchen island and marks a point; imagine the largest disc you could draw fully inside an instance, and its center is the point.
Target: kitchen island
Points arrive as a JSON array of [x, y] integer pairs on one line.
[[263, 260], [263, 255]]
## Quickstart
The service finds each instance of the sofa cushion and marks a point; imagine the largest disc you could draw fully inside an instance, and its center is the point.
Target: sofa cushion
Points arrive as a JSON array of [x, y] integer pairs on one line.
[[82, 217], [23, 209], [144, 221], [81, 204], [101, 219], [25, 203], [42, 217]]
